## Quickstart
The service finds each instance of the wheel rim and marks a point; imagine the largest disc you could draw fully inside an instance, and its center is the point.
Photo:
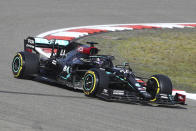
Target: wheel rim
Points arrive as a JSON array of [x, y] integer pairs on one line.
[[152, 88], [88, 82], [16, 64]]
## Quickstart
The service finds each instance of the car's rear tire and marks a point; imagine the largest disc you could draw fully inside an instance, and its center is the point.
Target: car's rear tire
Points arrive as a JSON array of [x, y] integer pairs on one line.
[[25, 64], [159, 84], [95, 80]]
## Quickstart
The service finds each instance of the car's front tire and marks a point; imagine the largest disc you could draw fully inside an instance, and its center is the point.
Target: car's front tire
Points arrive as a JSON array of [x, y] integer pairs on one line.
[[159, 84], [94, 81]]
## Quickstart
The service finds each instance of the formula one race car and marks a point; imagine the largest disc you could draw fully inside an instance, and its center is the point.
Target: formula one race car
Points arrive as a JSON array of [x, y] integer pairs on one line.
[[78, 66]]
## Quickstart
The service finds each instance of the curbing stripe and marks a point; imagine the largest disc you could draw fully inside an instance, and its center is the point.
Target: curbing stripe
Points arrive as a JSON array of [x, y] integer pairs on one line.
[[139, 27], [87, 30], [162, 25], [190, 25]]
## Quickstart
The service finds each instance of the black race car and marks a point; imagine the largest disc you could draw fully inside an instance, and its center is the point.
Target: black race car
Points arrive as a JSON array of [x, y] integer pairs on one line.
[[78, 66]]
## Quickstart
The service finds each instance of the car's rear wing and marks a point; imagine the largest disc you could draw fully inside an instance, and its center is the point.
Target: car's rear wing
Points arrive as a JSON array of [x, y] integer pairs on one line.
[[35, 43], [32, 42]]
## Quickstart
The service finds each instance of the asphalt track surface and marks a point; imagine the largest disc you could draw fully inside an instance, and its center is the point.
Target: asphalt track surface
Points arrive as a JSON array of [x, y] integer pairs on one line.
[[33, 106]]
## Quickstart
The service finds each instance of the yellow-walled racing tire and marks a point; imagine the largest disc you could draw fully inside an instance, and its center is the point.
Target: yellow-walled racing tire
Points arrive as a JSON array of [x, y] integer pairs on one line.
[[25, 64], [159, 84], [94, 81]]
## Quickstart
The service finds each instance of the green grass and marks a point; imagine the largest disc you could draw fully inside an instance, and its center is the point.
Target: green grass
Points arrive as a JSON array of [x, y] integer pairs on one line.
[[157, 51]]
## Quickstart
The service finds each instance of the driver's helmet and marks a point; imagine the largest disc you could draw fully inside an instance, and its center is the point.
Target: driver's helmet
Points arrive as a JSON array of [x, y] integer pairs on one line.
[[99, 61]]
